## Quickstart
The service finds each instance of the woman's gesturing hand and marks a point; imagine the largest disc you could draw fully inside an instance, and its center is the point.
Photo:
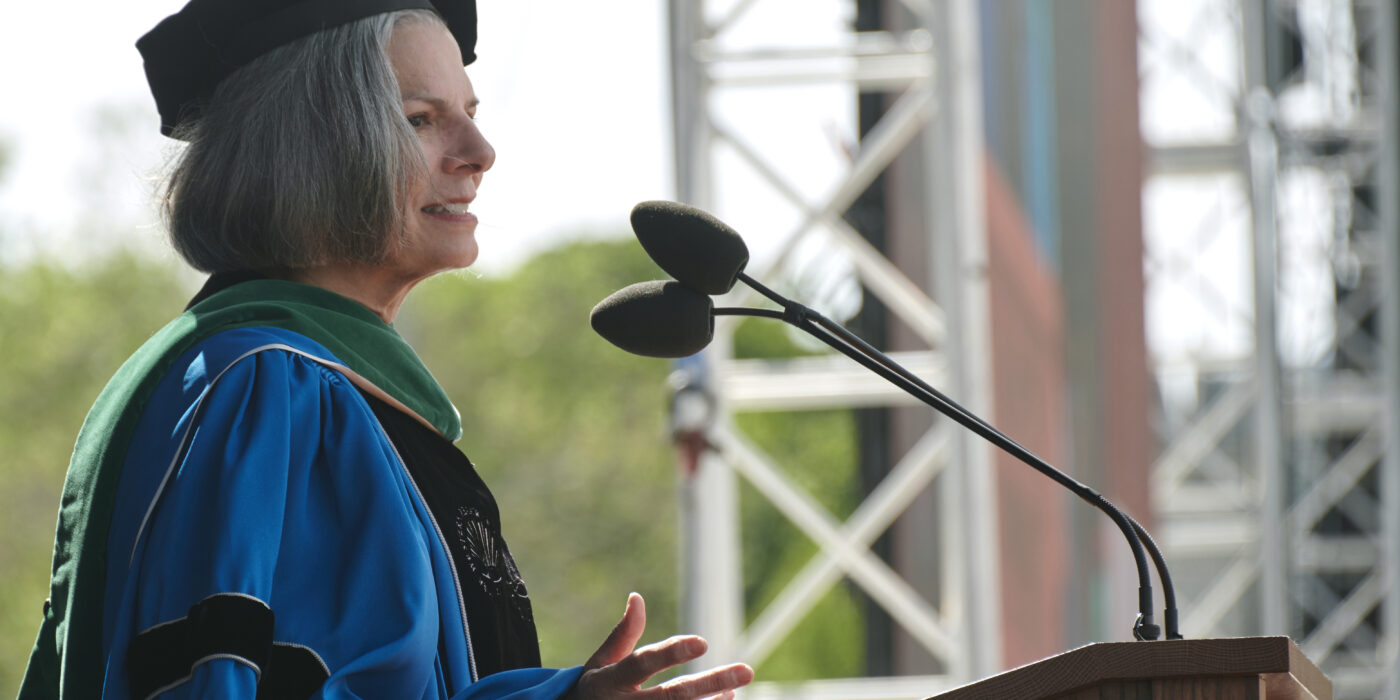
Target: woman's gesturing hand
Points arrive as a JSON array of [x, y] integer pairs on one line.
[[618, 670]]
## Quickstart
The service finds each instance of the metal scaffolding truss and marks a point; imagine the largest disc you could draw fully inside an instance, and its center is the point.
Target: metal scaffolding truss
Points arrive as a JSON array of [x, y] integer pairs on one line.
[[1270, 214], [932, 73]]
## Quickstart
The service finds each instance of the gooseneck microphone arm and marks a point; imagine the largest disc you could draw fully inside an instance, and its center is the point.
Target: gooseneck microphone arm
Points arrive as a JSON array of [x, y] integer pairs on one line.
[[852, 346], [676, 319]]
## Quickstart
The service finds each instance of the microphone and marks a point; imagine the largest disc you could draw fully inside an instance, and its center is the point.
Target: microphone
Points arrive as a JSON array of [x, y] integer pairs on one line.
[[691, 245], [656, 319], [672, 319]]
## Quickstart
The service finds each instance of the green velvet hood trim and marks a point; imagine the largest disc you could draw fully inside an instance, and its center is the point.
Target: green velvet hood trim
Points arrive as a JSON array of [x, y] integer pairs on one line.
[[67, 658]]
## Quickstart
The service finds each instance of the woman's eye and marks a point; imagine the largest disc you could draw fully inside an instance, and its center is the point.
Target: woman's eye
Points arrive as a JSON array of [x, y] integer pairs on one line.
[[417, 120]]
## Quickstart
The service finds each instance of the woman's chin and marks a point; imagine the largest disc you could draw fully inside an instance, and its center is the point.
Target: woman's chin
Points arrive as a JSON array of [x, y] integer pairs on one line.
[[457, 260], [430, 249], [466, 256]]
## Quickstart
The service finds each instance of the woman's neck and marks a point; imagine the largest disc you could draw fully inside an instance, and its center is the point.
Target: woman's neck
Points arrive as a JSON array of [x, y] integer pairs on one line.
[[374, 287]]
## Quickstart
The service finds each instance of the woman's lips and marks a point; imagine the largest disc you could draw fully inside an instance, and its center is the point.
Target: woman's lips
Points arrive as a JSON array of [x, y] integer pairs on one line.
[[451, 208], [450, 211]]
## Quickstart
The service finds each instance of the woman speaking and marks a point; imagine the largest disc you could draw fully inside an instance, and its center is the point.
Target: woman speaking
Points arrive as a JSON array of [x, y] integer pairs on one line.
[[265, 501]]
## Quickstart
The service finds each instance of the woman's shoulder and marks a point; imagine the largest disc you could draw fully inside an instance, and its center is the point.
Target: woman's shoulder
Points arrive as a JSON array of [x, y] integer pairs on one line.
[[240, 373], [227, 347], [206, 360], [233, 360], [179, 362]]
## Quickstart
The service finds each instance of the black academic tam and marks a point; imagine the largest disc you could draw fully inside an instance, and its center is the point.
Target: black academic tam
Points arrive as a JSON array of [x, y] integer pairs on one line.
[[190, 52]]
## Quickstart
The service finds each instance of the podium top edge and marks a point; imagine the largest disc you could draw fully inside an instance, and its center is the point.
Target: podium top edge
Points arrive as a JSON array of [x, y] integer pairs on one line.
[[1121, 661]]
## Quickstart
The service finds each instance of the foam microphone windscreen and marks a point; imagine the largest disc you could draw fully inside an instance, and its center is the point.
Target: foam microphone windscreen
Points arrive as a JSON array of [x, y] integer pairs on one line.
[[656, 319], [691, 245]]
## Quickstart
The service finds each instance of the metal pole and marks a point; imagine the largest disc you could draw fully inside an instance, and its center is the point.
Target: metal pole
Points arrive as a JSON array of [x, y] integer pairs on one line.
[[712, 602], [688, 94], [1389, 185], [953, 153], [1262, 152]]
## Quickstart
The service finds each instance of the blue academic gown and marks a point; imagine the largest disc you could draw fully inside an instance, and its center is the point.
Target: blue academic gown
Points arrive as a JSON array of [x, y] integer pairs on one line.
[[257, 469]]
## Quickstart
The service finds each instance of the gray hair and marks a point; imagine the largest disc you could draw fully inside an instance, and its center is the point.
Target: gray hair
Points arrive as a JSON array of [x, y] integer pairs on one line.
[[300, 158]]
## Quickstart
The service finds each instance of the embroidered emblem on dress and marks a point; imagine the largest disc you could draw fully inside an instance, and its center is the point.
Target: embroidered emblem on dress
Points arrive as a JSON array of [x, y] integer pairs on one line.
[[488, 558]]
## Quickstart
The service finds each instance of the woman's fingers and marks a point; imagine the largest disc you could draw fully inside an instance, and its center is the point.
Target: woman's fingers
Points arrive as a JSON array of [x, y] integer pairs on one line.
[[623, 638], [619, 669], [717, 681], [655, 658]]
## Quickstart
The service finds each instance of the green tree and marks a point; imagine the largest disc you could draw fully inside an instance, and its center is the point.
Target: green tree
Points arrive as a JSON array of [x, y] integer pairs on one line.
[[569, 432], [63, 332]]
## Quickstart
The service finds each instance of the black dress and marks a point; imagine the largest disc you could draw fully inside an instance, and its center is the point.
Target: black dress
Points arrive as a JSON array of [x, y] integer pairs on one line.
[[499, 616]]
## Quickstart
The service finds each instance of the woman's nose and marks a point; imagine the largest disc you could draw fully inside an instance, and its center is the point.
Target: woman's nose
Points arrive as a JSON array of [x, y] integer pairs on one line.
[[471, 151]]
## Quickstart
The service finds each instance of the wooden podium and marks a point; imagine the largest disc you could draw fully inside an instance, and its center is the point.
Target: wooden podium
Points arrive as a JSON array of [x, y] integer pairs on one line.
[[1250, 668]]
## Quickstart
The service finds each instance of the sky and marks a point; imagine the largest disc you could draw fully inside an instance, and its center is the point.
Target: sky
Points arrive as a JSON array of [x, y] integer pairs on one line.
[[574, 99]]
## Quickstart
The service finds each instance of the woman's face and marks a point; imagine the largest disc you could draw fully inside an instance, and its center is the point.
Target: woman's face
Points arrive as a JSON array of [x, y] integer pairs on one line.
[[440, 105]]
